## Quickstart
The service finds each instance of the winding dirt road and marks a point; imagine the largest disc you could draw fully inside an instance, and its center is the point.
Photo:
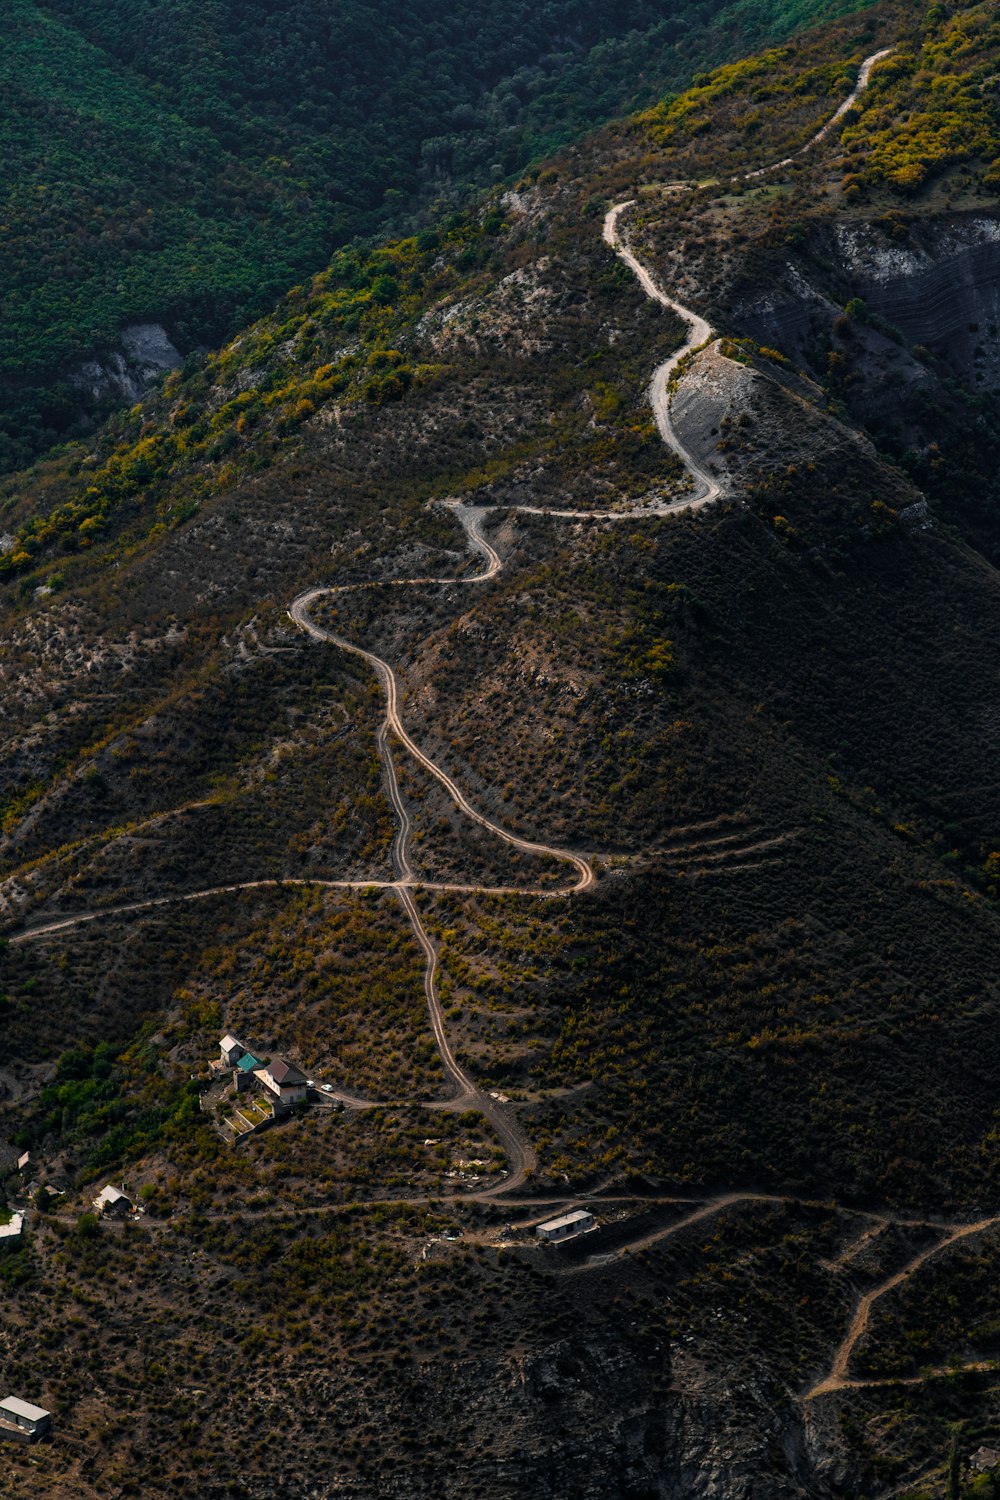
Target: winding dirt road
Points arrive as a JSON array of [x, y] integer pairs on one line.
[[518, 1148], [706, 490], [404, 883], [864, 72], [838, 1378]]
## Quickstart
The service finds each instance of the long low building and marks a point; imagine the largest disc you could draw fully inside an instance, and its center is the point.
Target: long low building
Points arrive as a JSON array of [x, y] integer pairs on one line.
[[565, 1227], [20, 1419]]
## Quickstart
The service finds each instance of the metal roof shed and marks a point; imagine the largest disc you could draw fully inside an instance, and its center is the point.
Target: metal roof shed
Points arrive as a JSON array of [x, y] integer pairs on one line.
[[31, 1421], [564, 1228]]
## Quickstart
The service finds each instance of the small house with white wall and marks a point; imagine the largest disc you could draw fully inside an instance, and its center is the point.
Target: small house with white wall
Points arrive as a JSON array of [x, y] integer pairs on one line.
[[283, 1083], [22, 1420], [112, 1203], [566, 1227], [231, 1051]]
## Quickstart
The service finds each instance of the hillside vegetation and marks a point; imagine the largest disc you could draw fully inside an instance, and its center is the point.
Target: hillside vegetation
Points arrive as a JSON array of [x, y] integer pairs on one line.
[[186, 163], [758, 1046]]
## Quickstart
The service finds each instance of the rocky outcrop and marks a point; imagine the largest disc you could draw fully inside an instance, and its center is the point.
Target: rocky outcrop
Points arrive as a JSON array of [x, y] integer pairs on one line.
[[941, 288], [587, 1418], [741, 422], [145, 354], [936, 285]]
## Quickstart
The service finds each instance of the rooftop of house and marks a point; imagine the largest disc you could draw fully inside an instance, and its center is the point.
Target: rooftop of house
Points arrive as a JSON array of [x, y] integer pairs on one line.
[[578, 1216], [285, 1073], [248, 1063], [111, 1194], [15, 1407], [12, 1229]]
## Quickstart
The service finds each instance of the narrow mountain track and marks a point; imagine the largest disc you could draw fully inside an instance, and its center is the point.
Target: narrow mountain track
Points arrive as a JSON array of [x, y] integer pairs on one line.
[[278, 882], [699, 853], [706, 491], [864, 73], [468, 1095], [838, 1378]]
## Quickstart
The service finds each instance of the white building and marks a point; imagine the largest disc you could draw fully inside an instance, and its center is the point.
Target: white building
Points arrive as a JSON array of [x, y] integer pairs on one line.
[[20, 1419], [10, 1233], [564, 1228], [284, 1083], [113, 1202], [231, 1051]]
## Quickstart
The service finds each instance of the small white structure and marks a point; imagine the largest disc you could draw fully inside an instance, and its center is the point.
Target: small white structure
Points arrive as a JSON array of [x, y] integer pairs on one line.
[[231, 1051], [564, 1228], [10, 1233], [24, 1162], [20, 1419], [113, 1203], [284, 1082]]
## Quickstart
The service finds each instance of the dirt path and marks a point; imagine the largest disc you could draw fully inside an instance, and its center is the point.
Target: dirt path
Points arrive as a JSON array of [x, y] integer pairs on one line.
[[706, 490], [824, 130], [299, 612], [707, 1210], [838, 1379], [513, 1139], [282, 882]]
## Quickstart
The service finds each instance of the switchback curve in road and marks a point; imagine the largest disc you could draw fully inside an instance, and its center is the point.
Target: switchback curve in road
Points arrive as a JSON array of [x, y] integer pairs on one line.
[[706, 490], [299, 613], [838, 1378], [706, 487]]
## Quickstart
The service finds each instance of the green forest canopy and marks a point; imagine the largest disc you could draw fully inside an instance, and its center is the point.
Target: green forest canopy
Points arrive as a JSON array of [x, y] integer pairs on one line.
[[186, 161]]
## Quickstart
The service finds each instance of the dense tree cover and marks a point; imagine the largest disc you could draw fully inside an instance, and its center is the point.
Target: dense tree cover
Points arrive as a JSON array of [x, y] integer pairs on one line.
[[269, 382], [186, 162], [931, 106]]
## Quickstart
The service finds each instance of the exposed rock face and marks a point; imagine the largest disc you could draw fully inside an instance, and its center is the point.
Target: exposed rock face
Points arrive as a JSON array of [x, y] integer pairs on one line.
[[939, 287], [145, 353], [715, 392], [740, 422], [585, 1419]]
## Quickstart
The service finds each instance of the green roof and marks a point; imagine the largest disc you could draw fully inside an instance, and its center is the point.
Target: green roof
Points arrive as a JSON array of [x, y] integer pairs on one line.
[[247, 1063]]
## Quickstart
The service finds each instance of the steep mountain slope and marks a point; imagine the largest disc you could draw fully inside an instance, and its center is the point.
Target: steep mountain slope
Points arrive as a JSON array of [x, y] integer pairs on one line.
[[182, 164], [756, 1043]]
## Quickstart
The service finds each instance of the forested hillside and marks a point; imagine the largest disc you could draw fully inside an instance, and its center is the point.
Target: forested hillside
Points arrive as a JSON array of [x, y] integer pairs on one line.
[[187, 162], [561, 718]]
